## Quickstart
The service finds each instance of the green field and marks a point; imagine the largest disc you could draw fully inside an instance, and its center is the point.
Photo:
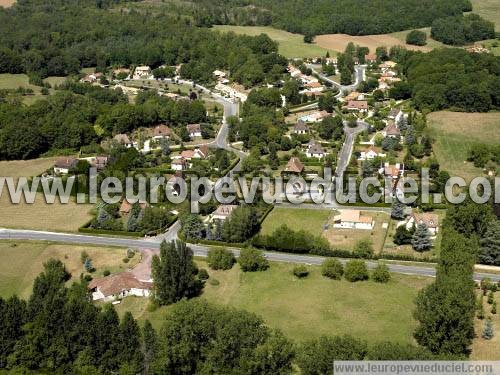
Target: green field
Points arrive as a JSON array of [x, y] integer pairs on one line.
[[310, 307], [488, 9], [14, 81], [311, 221], [431, 43], [21, 262], [290, 45], [456, 132]]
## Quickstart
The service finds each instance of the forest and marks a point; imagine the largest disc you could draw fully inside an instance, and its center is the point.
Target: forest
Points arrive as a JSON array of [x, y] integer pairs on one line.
[[58, 38], [313, 17], [461, 30]]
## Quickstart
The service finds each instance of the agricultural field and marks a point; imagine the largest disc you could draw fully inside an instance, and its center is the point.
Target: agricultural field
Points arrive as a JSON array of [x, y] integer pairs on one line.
[[290, 45], [14, 81], [6, 3], [309, 307], [21, 262], [456, 132], [39, 215], [312, 221]]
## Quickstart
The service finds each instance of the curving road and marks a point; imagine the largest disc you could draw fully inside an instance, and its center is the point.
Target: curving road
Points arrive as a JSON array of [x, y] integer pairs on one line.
[[202, 250], [359, 76]]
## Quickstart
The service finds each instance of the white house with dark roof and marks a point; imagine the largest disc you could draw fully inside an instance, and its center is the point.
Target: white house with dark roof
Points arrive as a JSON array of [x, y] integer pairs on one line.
[[194, 130], [315, 150], [300, 127]]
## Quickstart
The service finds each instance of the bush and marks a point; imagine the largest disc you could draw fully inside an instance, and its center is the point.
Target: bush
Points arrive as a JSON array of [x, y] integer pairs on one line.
[[130, 253], [252, 260], [220, 259], [363, 249], [106, 273], [203, 274], [381, 273], [356, 270], [300, 271], [126, 260], [214, 282], [416, 38], [332, 268]]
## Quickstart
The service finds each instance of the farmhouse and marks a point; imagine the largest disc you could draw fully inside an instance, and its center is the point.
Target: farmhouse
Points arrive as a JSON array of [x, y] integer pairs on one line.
[[301, 127], [194, 130], [357, 105], [64, 165], [431, 221], [294, 165], [142, 72], [353, 219], [223, 212], [119, 286]]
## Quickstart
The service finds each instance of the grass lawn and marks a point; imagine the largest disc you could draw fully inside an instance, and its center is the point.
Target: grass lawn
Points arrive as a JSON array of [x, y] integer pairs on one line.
[[310, 307], [311, 221], [456, 132], [482, 349], [14, 81], [489, 9], [346, 239], [290, 45], [21, 262]]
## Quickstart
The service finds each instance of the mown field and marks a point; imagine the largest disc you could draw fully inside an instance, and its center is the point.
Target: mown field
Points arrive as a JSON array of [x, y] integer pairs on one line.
[[14, 81], [456, 132], [39, 215], [21, 262], [290, 45], [311, 221], [310, 307]]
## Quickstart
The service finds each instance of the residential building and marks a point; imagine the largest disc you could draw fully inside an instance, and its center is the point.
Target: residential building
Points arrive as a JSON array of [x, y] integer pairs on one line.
[[294, 165], [142, 72], [126, 206], [430, 220], [370, 154], [371, 58], [353, 219], [315, 150], [395, 114], [354, 96], [194, 130], [115, 287], [393, 171], [179, 164], [357, 105], [198, 153], [124, 140], [300, 127], [223, 212], [161, 132], [315, 117], [391, 130], [98, 162], [65, 165]]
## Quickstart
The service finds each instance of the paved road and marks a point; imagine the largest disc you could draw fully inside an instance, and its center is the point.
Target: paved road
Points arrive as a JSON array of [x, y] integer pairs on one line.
[[359, 76], [346, 152], [201, 250]]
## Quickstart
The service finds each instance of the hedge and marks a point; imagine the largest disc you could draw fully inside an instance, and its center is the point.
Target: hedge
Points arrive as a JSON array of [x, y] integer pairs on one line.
[[109, 232]]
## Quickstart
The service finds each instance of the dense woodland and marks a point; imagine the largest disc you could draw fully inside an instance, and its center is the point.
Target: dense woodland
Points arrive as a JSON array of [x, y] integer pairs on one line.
[[460, 30], [354, 17]]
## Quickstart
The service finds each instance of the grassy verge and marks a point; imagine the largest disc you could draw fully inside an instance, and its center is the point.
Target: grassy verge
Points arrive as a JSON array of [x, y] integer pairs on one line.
[[311, 221]]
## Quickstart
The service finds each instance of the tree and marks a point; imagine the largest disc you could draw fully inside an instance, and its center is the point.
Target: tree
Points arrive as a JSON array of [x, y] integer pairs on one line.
[[192, 226], [403, 236], [389, 351], [129, 337], [332, 268], [355, 270], [378, 95], [381, 273], [417, 38], [300, 271], [149, 345], [174, 273], [13, 316], [490, 245], [421, 240], [363, 248], [488, 330], [308, 38], [327, 101], [241, 225], [398, 209], [220, 259], [252, 260], [316, 356]]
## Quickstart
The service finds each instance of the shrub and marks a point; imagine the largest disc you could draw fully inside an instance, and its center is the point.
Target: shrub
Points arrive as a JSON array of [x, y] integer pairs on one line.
[[363, 249], [203, 274], [126, 260], [381, 273], [252, 260], [84, 256], [300, 271], [332, 268], [130, 253], [220, 259], [106, 273], [214, 282], [355, 270], [416, 38]]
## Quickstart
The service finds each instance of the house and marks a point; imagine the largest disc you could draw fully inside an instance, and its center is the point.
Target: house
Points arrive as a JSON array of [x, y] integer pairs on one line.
[[393, 171], [354, 96], [370, 154], [387, 65], [294, 72], [294, 165], [219, 74], [395, 114], [142, 72], [430, 220], [161, 132], [119, 286], [353, 219], [223, 212], [179, 164], [315, 117], [198, 153], [314, 86], [194, 130], [64, 165], [371, 58], [98, 162], [315, 150], [300, 127], [124, 140], [391, 130], [121, 71], [91, 78], [126, 206], [230, 92], [357, 105]]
